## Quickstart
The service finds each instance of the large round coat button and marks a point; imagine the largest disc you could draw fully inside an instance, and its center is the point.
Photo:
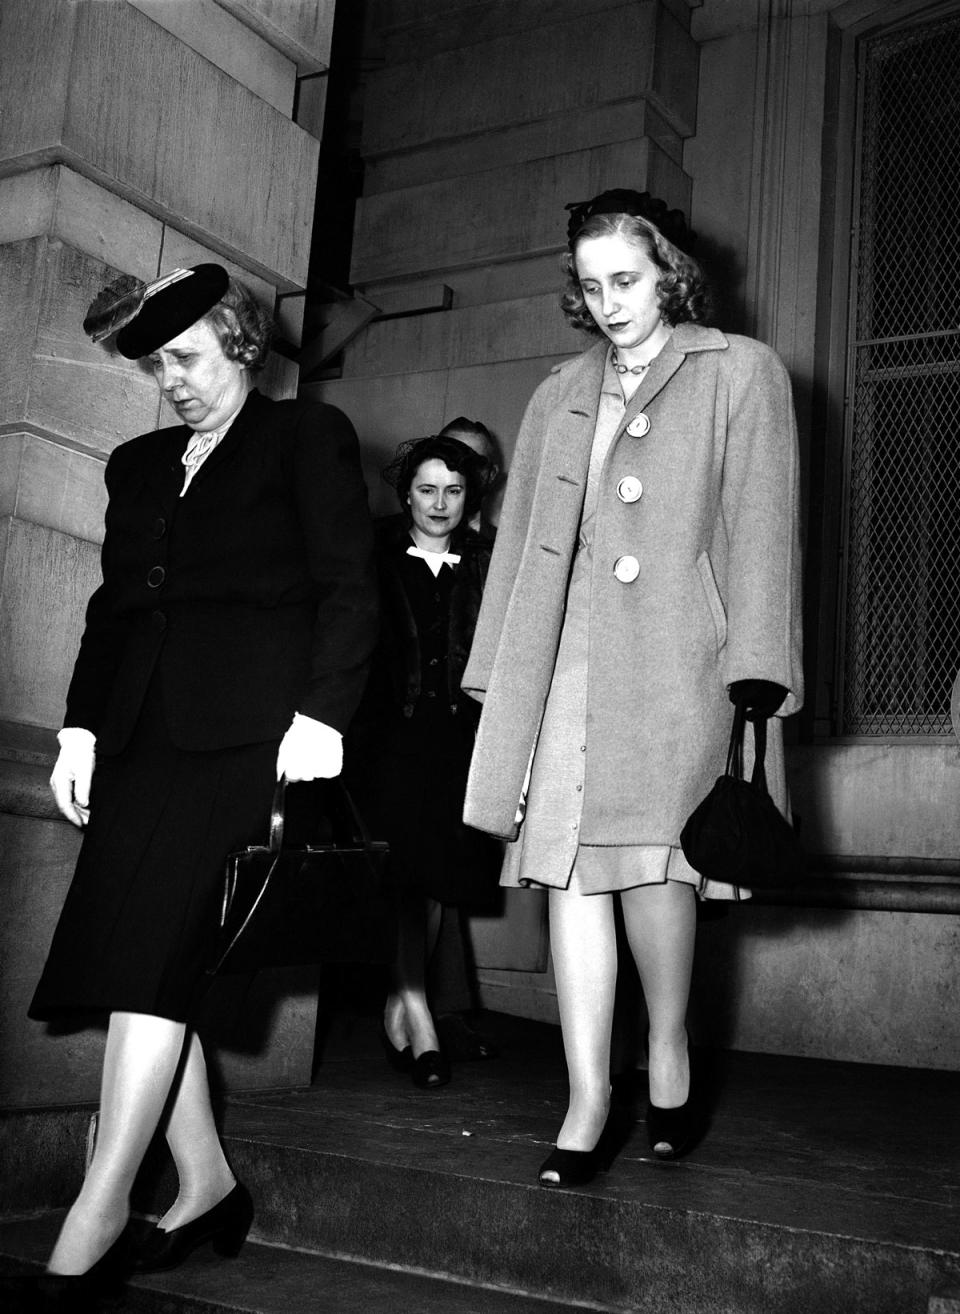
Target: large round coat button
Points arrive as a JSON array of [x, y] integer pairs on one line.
[[158, 620], [626, 569], [639, 426], [629, 489], [156, 576], [159, 527]]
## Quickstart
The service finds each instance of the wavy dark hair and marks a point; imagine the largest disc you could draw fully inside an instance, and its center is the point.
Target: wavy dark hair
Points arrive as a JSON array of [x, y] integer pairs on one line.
[[456, 456], [681, 288], [243, 327]]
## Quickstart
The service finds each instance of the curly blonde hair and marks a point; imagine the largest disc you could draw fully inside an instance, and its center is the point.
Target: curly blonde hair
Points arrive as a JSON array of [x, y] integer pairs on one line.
[[242, 326]]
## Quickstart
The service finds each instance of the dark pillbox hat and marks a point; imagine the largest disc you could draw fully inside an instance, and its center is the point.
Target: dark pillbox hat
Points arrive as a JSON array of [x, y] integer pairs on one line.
[[173, 309]]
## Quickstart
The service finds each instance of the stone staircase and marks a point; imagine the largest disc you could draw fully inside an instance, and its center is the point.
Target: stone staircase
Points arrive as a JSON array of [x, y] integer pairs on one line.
[[821, 1188]]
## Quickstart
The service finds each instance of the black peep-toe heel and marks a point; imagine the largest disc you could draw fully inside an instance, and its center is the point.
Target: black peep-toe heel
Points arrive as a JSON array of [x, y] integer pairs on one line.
[[579, 1167]]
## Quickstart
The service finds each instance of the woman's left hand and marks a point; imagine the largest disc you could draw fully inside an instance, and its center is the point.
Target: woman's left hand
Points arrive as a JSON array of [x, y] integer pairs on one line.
[[310, 750], [760, 698]]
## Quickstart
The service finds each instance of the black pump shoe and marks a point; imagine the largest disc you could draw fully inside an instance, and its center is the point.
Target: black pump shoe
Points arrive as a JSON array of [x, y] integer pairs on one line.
[[672, 1132], [57, 1293], [225, 1226], [578, 1167], [81, 1293], [430, 1070]]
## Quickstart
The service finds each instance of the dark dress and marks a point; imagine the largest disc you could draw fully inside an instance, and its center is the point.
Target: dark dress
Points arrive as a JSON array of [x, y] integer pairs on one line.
[[409, 748], [221, 613]]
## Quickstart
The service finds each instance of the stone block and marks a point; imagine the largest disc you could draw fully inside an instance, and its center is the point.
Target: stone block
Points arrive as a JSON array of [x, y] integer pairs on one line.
[[311, 103], [57, 202], [581, 129], [891, 800], [592, 59], [54, 377], [47, 484], [480, 285], [303, 32], [47, 578], [503, 330], [514, 212], [246, 189], [213, 32], [411, 29], [869, 987]]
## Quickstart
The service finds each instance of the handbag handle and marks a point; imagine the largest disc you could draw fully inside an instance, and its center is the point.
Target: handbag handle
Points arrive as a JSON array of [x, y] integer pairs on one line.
[[348, 826], [735, 749]]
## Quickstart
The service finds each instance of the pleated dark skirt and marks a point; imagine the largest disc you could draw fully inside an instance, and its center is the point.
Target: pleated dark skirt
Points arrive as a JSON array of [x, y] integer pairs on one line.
[[142, 913]]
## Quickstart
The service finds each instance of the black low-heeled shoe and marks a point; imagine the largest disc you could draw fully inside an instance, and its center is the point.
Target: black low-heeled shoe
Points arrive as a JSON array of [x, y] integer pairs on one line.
[[225, 1226], [672, 1132], [80, 1293], [430, 1070], [57, 1293], [401, 1060]]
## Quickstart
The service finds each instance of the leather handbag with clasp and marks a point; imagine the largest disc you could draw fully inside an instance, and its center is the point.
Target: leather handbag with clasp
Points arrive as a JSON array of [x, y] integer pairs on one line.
[[322, 902]]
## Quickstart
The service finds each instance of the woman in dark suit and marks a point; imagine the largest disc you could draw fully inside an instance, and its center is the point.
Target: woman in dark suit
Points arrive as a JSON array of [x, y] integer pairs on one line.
[[409, 747], [227, 644]]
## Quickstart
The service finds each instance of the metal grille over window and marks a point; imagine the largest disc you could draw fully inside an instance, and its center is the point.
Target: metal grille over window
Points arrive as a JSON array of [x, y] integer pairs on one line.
[[902, 585]]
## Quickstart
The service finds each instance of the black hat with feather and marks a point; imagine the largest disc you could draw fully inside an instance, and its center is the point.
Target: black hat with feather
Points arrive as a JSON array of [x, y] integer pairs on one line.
[[146, 315]]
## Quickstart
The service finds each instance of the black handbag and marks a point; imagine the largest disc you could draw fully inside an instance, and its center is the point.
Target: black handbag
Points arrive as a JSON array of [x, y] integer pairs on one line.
[[737, 835], [325, 902]]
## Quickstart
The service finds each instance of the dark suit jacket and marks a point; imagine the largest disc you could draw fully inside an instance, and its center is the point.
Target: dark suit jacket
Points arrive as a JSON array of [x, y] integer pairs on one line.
[[398, 657], [252, 597]]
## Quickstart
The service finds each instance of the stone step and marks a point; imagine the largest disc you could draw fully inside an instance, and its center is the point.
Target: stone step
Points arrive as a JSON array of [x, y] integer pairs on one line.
[[822, 1187], [269, 1280]]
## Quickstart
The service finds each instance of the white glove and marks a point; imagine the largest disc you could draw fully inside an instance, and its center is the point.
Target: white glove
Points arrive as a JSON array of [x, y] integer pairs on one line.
[[73, 772], [310, 750]]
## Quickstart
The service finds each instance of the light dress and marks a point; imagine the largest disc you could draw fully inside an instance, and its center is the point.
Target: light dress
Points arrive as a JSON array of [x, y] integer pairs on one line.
[[548, 851]]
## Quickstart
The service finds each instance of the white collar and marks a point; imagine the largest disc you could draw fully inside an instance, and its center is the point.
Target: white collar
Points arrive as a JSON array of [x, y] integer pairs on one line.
[[434, 559]]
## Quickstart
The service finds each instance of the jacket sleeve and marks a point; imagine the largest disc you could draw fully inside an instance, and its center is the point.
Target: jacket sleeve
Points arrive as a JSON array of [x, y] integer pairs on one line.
[[509, 544], [760, 497], [331, 502], [104, 635]]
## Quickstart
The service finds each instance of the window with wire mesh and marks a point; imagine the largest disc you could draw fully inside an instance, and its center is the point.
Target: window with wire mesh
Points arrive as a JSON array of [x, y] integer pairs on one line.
[[901, 629]]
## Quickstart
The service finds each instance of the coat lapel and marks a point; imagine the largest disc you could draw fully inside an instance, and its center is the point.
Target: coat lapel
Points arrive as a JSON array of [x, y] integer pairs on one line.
[[686, 338], [232, 441], [164, 476]]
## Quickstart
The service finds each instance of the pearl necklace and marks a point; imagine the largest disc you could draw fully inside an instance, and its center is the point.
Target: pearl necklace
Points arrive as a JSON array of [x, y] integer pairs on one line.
[[626, 369]]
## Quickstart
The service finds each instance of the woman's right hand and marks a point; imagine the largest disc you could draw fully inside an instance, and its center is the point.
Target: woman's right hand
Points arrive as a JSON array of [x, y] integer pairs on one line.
[[73, 772]]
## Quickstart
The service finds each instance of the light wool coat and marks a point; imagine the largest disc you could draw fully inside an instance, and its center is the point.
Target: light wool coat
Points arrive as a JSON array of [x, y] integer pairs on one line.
[[717, 597]]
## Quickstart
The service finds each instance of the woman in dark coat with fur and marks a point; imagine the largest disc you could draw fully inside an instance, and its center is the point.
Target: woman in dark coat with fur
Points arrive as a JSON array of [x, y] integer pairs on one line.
[[409, 749]]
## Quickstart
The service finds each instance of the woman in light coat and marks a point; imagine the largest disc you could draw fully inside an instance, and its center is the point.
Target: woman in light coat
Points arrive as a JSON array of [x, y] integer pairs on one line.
[[645, 576]]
